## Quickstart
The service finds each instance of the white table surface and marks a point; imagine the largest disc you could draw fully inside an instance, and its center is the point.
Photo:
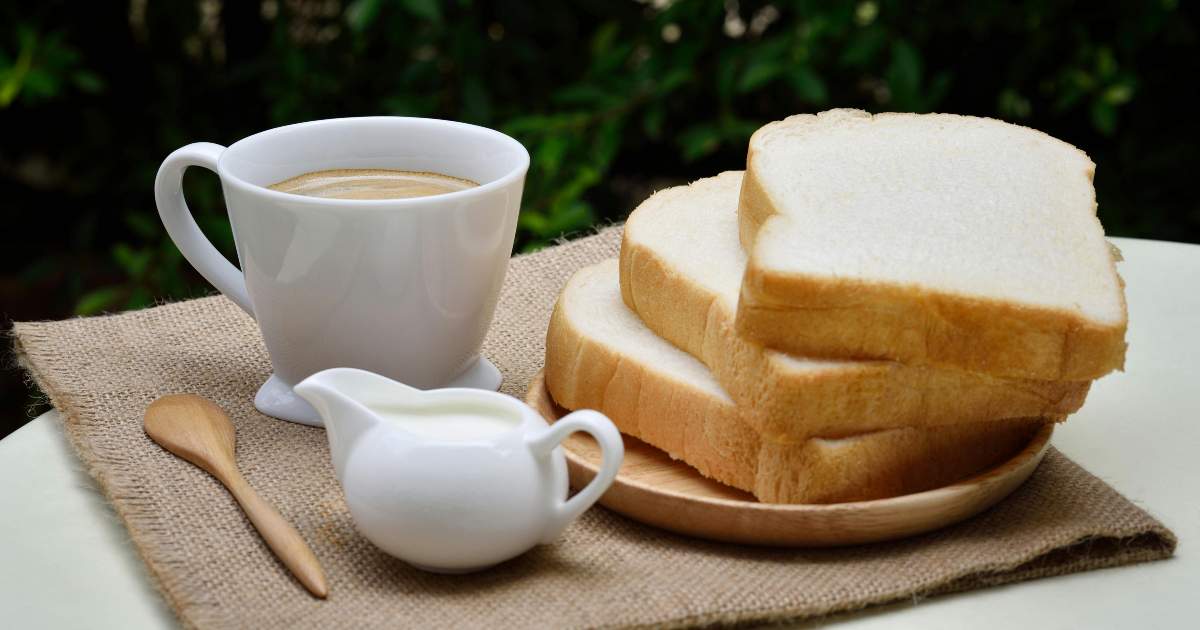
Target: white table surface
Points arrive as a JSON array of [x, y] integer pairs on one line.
[[65, 560]]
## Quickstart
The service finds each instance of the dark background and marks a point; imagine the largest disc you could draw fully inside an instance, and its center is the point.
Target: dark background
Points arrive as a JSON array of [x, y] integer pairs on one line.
[[612, 98]]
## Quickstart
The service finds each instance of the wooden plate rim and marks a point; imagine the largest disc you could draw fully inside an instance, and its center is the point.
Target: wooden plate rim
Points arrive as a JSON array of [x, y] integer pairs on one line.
[[1034, 450]]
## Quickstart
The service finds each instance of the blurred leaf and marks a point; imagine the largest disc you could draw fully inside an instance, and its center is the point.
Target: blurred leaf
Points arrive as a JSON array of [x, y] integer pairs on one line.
[[538, 124], [585, 177], [608, 142], [1012, 105], [477, 104], [139, 298], [583, 94], [808, 85], [604, 37], [98, 300], [1119, 94], [935, 92], [652, 121], [44, 64], [904, 75], [571, 217], [142, 224], [1081, 79], [526, 124], [864, 45], [737, 130], [533, 221], [866, 12], [133, 262], [40, 85], [612, 59], [410, 105], [673, 80], [1106, 62], [169, 253], [88, 82], [758, 74], [549, 154], [427, 9], [360, 14], [1104, 116], [13, 78], [767, 61], [699, 141], [1068, 97], [727, 73]]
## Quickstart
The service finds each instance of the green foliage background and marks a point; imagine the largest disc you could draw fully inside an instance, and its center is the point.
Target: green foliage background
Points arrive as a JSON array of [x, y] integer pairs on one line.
[[612, 98]]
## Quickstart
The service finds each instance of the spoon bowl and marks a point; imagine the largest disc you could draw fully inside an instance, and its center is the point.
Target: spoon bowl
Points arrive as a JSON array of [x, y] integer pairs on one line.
[[197, 430]]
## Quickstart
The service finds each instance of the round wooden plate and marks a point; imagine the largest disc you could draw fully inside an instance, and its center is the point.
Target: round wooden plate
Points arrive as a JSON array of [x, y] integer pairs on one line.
[[654, 489]]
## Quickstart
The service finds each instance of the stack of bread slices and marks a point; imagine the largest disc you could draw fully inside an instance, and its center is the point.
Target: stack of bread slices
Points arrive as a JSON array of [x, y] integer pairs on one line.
[[879, 305]]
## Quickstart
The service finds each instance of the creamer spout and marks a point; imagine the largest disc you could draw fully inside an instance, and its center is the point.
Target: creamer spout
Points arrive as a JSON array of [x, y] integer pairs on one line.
[[342, 397]]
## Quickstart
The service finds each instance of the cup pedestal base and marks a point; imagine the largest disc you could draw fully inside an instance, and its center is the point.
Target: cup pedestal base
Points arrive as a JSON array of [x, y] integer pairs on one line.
[[276, 399], [450, 571]]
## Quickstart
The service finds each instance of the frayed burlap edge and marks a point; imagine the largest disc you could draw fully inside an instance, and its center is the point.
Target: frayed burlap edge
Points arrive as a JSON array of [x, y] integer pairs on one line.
[[158, 552], [1137, 547]]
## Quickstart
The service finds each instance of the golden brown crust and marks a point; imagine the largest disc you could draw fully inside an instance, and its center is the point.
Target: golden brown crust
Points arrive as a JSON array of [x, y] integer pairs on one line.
[[792, 406], [832, 318], [707, 432], [888, 463], [856, 319], [753, 207], [582, 373]]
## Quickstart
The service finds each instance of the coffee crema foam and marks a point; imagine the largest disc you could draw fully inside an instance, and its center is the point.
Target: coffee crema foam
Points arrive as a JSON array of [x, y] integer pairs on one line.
[[371, 183]]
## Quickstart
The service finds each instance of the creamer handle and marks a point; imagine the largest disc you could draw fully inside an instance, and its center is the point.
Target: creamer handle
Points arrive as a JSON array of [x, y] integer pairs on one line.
[[612, 451]]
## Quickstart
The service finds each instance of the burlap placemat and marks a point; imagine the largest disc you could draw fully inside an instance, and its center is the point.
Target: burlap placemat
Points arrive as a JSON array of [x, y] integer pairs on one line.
[[605, 571]]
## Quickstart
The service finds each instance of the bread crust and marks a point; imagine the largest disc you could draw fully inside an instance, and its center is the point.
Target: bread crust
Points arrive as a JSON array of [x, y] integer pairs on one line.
[[855, 318], [710, 433], [792, 406]]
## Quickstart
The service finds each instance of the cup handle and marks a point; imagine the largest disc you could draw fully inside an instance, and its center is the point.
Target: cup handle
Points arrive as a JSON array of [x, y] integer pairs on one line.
[[612, 451], [173, 210]]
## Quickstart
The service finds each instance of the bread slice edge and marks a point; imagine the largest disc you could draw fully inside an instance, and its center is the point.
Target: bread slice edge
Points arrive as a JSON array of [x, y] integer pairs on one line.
[[844, 397], [859, 319], [703, 428]]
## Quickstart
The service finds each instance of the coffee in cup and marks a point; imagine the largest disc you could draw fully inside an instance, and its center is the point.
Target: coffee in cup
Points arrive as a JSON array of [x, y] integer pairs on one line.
[[371, 183]]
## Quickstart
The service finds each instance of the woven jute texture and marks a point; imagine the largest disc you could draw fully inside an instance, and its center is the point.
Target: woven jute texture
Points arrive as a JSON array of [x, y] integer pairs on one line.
[[604, 571]]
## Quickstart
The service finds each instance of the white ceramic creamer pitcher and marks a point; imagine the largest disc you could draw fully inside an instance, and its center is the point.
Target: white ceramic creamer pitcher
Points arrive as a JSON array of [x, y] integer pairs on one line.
[[452, 480]]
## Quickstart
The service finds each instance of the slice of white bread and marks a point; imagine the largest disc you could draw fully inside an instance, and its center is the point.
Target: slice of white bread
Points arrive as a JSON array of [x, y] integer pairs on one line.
[[681, 269], [600, 356], [933, 239]]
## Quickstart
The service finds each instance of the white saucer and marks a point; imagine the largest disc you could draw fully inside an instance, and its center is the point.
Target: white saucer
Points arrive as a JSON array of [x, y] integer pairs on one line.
[[276, 398]]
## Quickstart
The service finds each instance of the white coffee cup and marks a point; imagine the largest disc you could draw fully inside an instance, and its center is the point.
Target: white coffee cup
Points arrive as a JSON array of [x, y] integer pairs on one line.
[[405, 288]]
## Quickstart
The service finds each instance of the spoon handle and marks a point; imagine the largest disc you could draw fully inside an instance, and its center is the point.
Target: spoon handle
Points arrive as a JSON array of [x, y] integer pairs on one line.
[[280, 536]]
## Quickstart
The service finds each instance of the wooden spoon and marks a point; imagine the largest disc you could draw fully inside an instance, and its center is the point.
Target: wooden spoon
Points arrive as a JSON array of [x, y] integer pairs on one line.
[[196, 429]]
